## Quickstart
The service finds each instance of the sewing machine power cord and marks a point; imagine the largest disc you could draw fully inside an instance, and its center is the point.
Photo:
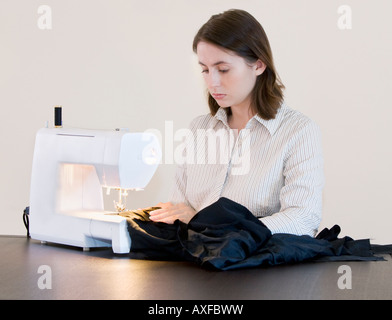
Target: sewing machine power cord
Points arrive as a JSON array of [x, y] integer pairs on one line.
[[26, 212]]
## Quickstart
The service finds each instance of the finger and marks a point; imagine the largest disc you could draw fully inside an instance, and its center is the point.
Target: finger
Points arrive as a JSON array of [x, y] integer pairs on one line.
[[157, 212], [160, 215], [168, 216], [173, 211], [167, 219]]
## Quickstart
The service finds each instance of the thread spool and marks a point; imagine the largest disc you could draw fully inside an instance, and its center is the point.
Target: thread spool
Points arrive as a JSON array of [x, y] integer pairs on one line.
[[58, 122]]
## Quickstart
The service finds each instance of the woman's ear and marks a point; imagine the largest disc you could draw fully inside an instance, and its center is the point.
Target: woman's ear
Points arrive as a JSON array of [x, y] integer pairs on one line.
[[260, 67]]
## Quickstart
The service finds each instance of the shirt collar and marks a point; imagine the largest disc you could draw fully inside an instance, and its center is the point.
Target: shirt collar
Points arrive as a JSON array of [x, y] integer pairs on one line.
[[221, 115], [271, 125]]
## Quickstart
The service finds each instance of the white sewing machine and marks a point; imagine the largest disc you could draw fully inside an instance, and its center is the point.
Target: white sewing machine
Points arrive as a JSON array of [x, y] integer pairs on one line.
[[71, 170]]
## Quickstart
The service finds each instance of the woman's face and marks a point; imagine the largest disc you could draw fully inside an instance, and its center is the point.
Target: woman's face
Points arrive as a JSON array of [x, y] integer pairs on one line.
[[229, 78]]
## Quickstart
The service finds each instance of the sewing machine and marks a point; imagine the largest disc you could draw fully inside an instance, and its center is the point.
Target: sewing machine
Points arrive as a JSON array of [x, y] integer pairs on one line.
[[72, 168]]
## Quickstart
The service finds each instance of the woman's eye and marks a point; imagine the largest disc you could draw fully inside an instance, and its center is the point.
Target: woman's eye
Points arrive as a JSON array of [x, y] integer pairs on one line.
[[221, 71]]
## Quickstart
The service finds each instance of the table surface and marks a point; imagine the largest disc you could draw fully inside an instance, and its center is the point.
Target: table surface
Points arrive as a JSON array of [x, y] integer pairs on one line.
[[100, 274]]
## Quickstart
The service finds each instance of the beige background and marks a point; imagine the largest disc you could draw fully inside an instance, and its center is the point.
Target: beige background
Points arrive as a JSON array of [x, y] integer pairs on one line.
[[130, 64]]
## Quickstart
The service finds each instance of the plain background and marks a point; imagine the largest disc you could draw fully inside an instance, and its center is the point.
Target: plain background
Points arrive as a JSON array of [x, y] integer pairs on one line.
[[130, 64]]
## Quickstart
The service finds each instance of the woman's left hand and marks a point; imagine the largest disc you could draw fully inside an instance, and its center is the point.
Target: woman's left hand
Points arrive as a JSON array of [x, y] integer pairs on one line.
[[171, 212]]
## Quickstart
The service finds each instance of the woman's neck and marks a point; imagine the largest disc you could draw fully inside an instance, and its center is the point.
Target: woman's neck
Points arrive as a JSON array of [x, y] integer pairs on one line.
[[239, 117]]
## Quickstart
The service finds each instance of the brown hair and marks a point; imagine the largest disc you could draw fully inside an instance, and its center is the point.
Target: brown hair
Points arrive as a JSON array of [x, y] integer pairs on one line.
[[238, 31]]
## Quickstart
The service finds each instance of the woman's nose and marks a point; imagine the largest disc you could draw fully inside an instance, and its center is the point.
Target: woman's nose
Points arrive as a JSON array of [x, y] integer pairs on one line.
[[213, 80]]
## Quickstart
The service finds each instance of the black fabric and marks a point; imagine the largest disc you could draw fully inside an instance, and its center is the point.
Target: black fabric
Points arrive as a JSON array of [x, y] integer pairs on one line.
[[226, 235], [154, 240]]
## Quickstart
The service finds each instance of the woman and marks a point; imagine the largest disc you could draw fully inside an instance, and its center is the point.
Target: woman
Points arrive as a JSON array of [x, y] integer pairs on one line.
[[283, 181]]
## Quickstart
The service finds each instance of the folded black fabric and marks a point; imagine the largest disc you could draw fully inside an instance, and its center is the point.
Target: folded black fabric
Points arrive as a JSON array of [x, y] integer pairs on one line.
[[226, 235]]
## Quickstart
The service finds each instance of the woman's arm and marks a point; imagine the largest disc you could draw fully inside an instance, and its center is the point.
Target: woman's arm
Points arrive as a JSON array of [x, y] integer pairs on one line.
[[301, 195]]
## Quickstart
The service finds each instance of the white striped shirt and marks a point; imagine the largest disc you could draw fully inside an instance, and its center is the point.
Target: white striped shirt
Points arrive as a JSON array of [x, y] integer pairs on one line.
[[273, 167]]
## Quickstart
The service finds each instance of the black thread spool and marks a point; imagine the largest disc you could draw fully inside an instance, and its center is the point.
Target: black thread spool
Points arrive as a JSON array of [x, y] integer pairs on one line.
[[58, 122]]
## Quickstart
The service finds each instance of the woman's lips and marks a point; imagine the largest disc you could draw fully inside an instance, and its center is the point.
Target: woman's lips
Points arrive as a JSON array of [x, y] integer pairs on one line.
[[218, 96]]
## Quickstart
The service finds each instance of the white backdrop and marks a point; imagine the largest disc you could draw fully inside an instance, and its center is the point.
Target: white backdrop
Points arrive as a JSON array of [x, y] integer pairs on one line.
[[130, 64]]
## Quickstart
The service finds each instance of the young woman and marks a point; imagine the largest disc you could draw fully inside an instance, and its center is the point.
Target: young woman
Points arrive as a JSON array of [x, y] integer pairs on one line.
[[282, 180]]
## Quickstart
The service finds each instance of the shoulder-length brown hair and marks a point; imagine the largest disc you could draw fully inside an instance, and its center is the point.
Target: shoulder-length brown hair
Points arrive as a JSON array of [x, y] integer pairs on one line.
[[238, 31]]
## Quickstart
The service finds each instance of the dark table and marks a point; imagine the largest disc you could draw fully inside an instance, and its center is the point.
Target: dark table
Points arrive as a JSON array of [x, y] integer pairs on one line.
[[28, 267]]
